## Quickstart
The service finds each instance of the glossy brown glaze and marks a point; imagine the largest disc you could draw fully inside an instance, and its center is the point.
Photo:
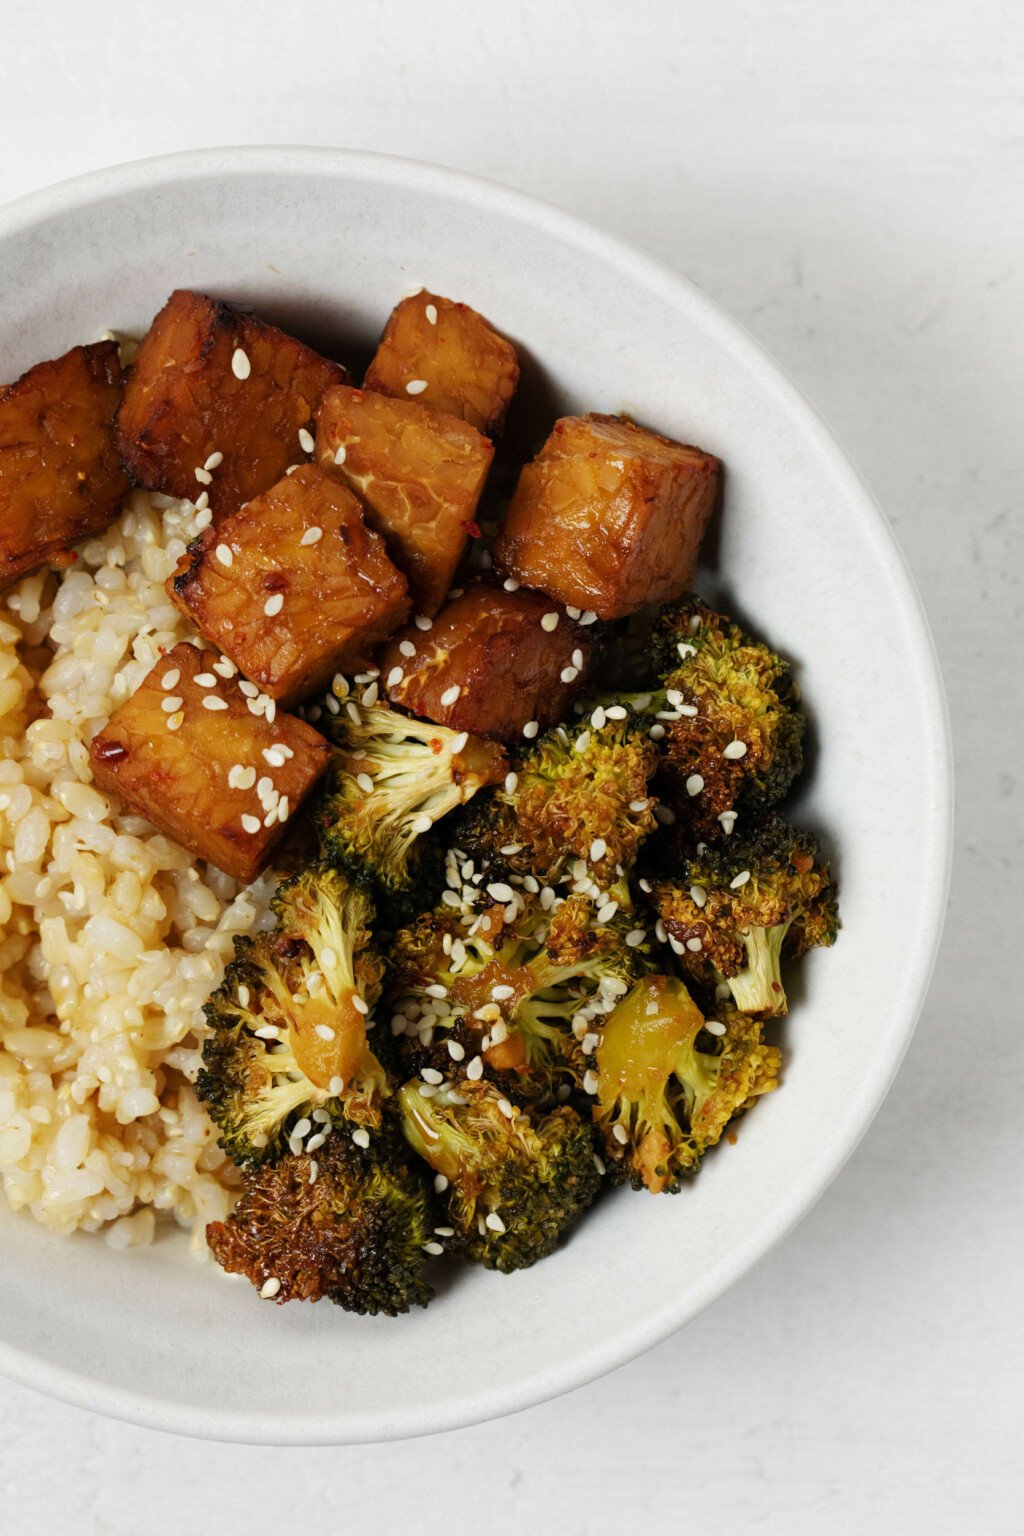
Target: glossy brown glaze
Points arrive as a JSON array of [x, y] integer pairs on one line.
[[608, 516], [489, 648], [60, 476], [469, 370], [185, 402], [340, 595], [176, 775], [419, 473]]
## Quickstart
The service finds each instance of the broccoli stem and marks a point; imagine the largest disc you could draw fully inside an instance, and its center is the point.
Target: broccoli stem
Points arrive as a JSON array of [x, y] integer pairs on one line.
[[758, 988]]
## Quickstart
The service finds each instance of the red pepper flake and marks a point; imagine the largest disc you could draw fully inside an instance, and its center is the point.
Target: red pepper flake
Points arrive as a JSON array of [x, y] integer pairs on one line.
[[473, 529]]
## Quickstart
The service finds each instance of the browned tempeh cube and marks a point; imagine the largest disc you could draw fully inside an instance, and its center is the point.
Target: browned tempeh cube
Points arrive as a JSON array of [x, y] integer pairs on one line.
[[196, 753], [294, 587], [60, 476], [467, 368], [608, 516], [211, 379], [497, 663], [420, 474]]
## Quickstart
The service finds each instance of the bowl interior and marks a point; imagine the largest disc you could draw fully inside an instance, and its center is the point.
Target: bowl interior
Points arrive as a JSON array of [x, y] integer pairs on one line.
[[324, 243]]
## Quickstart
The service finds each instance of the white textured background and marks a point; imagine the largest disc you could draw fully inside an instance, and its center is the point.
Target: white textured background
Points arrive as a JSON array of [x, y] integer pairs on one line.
[[848, 180]]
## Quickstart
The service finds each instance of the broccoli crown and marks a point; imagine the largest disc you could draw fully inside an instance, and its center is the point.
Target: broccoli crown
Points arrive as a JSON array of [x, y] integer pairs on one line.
[[668, 1082], [738, 906], [350, 1224], [288, 1025], [515, 1179], [392, 779], [513, 994], [575, 796]]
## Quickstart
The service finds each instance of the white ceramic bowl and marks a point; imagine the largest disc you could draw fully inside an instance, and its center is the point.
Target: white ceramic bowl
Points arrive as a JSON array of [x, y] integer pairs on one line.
[[326, 241]]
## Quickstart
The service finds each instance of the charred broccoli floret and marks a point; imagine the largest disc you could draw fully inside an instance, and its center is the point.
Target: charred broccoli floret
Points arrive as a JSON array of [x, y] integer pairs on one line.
[[575, 795], [349, 1224], [392, 780], [738, 906], [725, 710], [288, 1025], [514, 993], [667, 1082], [515, 1179]]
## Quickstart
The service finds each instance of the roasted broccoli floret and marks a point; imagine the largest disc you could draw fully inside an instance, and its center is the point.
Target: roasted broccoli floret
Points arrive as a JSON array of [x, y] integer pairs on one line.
[[392, 779], [725, 710], [575, 795], [288, 1026], [512, 995], [349, 1223], [515, 1179], [737, 907], [667, 1082]]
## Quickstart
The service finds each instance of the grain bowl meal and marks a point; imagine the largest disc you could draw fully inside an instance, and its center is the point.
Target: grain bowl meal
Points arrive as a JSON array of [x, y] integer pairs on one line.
[[388, 869]]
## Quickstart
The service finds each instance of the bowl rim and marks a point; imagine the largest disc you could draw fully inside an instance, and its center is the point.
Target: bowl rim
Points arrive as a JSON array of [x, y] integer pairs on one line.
[[637, 1336]]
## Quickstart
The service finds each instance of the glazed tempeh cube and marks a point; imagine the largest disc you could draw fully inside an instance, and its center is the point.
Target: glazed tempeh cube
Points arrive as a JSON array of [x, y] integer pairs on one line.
[[447, 356], [497, 663], [420, 475], [219, 403], [60, 476], [209, 760], [293, 588], [608, 516]]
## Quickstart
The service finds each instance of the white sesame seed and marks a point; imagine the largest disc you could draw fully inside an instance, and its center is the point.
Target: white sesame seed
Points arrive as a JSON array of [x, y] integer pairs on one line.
[[204, 519], [432, 1075], [312, 536], [170, 679], [456, 1051], [728, 820], [336, 1086], [202, 501], [549, 622], [511, 780], [698, 895], [588, 616], [224, 554], [547, 898], [740, 880], [360, 1005], [582, 742], [494, 1221], [598, 849], [273, 605], [324, 1031], [305, 440], [436, 989], [431, 314], [475, 1070], [212, 702], [270, 1288], [215, 460], [407, 648], [590, 1082], [694, 784], [500, 891], [656, 732], [616, 712], [577, 658], [433, 1248], [686, 650], [420, 824], [339, 454], [450, 695], [364, 781], [713, 1027], [459, 742], [695, 945], [645, 885], [569, 674], [415, 386], [530, 729], [171, 703], [589, 1043], [361, 1138], [370, 696], [440, 1184], [250, 823], [735, 750], [205, 680], [619, 1131], [175, 720], [240, 365], [635, 937], [394, 677], [249, 689], [510, 584], [267, 1032], [422, 622], [607, 912], [314, 1169], [203, 475]]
